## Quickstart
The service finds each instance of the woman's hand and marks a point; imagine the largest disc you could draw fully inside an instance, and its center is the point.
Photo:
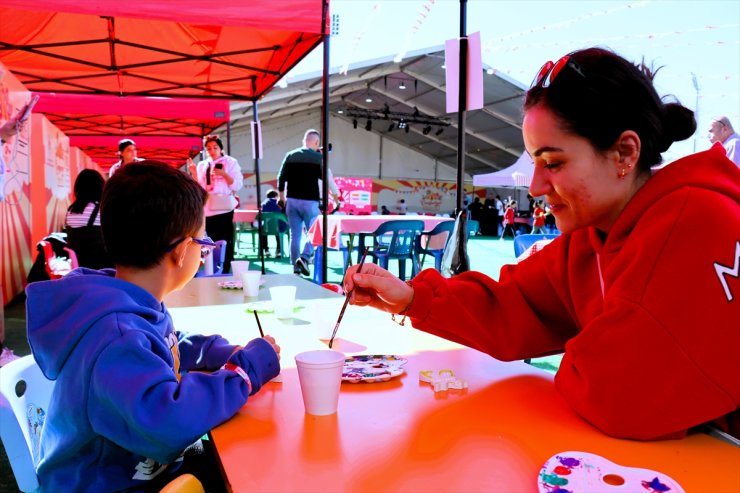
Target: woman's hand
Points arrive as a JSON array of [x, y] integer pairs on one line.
[[378, 288], [191, 167]]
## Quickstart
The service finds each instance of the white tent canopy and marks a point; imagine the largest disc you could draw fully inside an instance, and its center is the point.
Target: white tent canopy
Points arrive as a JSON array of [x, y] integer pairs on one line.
[[518, 174]]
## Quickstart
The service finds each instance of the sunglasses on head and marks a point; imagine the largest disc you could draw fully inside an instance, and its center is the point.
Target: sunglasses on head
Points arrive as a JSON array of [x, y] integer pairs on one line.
[[549, 71]]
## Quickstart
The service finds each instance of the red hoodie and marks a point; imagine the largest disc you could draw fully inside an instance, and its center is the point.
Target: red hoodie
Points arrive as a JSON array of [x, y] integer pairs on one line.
[[649, 318]]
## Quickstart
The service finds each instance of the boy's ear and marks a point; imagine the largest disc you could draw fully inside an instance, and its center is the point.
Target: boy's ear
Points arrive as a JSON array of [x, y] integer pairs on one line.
[[177, 256]]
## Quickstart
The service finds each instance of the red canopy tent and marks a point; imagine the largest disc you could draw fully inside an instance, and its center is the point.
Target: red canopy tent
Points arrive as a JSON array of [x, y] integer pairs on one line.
[[166, 129], [186, 48]]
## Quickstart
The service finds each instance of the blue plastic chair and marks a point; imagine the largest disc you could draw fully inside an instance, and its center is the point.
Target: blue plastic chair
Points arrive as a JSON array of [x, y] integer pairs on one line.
[[397, 240], [522, 242], [441, 228]]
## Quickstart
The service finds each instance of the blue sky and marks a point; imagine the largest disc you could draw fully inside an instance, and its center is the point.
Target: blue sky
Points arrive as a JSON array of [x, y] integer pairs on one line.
[[685, 37]]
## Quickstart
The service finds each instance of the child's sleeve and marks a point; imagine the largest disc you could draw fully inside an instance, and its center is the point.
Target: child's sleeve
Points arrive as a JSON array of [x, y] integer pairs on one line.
[[199, 352], [259, 360]]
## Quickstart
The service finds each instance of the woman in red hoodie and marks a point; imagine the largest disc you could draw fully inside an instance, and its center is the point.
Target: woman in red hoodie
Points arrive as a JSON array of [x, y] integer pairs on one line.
[[647, 318]]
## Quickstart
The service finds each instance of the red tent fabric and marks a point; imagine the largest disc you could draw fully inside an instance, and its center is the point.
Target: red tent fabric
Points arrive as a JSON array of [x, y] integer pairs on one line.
[[166, 129], [186, 48]]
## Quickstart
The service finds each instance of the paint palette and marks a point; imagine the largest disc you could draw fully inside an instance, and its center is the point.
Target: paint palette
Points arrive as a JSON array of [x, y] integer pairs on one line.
[[581, 472], [372, 368]]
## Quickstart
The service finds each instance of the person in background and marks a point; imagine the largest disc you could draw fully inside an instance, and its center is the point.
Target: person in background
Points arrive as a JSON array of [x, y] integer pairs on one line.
[[384, 211], [7, 131], [131, 394], [270, 204], [721, 131], [127, 154], [82, 221], [301, 173], [508, 220], [499, 204], [647, 321], [401, 207], [221, 176], [538, 217]]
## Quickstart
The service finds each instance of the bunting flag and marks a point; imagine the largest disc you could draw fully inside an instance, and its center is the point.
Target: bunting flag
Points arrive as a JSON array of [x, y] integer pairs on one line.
[[421, 17], [358, 37]]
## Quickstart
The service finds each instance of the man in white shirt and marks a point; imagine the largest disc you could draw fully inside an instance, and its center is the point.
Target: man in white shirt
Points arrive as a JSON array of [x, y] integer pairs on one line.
[[722, 131]]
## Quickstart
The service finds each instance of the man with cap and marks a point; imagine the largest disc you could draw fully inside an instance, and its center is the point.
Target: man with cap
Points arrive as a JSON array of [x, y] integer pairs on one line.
[[127, 153]]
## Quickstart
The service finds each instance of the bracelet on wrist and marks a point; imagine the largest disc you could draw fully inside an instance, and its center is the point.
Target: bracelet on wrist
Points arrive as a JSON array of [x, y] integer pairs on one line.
[[404, 312], [240, 371]]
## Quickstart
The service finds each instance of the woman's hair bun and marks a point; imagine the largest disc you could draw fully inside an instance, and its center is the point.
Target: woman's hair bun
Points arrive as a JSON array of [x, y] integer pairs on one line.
[[678, 124]]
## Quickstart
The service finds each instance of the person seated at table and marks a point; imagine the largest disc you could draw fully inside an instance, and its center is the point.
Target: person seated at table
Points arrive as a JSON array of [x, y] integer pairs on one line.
[[270, 204], [131, 393], [646, 317], [384, 211], [82, 221]]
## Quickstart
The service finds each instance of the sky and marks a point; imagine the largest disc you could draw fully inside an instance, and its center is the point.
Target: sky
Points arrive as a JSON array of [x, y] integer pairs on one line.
[[692, 41]]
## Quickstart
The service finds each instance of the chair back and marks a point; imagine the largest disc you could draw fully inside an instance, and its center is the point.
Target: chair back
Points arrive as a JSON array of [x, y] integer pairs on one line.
[[473, 227], [24, 399], [522, 242], [274, 223], [219, 257], [396, 239], [427, 240]]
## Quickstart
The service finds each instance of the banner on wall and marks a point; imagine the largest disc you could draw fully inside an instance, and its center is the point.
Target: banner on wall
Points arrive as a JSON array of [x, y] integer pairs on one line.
[[356, 194], [15, 201], [51, 161]]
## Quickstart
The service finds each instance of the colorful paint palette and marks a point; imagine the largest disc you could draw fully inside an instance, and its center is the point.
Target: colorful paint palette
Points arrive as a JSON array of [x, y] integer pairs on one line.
[[371, 368], [581, 472]]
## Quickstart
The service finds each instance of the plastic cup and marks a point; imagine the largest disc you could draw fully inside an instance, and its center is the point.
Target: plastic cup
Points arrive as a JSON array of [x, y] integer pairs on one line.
[[283, 300], [237, 267], [320, 375], [251, 283]]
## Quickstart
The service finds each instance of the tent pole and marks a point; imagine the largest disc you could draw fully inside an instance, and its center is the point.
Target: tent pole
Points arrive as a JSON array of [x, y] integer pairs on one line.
[[256, 145], [462, 105], [228, 137], [325, 142]]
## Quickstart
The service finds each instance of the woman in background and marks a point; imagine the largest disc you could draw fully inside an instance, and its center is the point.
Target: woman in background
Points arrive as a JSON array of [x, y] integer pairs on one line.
[[82, 222], [221, 176]]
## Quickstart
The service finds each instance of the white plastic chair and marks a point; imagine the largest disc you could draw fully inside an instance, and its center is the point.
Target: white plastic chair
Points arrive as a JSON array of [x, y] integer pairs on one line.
[[24, 398]]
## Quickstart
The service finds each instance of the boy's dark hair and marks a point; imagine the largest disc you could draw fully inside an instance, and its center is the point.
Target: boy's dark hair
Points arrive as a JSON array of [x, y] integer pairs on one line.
[[607, 95], [146, 207], [88, 188], [272, 193]]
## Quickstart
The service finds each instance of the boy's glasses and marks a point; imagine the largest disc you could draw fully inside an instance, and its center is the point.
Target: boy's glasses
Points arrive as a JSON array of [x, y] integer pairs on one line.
[[206, 245], [549, 71]]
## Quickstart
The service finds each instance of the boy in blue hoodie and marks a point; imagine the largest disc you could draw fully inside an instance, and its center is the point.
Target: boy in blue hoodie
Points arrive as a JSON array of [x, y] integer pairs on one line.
[[126, 404]]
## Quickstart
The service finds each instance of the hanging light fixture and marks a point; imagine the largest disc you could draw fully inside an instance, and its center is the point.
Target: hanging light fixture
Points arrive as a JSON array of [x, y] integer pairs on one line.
[[391, 126], [426, 130], [369, 125], [354, 123], [402, 85], [439, 131]]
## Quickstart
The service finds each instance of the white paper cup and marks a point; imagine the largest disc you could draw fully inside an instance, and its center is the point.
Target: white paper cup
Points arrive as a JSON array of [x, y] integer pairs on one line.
[[283, 300], [320, 375], [237, 267], [251, 283]]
